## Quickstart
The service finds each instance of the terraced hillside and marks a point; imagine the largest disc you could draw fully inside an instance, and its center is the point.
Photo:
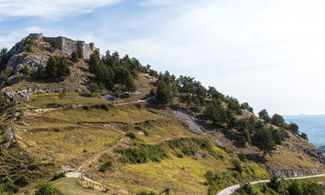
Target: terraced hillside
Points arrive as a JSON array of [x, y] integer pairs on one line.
[[128, 138]]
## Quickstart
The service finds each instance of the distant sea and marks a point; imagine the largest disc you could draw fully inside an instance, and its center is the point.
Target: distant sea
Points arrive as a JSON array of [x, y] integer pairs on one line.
[[312, 125]]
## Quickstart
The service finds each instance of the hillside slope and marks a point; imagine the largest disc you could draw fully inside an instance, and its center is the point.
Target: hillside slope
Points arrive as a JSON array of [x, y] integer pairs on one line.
[[129, 141]]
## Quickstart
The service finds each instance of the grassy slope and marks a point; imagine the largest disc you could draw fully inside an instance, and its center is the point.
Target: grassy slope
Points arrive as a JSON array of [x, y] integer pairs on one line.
[[66, 132]]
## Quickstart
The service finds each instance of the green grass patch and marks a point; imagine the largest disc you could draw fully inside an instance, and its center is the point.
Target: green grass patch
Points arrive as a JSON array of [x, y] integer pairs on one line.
[[143, 154], [190, 146], [70, 186]]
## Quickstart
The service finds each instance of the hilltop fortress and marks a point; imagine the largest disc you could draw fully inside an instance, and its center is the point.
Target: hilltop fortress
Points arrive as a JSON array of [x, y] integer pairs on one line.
[[67, 45]]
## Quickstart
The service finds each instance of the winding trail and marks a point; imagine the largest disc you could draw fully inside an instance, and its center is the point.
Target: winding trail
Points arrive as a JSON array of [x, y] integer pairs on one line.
[[231, 189]]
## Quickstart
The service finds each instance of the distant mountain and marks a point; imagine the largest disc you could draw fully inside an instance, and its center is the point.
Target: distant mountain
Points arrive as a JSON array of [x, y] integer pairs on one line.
[[322, 148], [312, 125]]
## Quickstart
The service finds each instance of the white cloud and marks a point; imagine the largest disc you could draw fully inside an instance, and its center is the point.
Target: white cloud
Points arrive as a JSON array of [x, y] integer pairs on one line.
[[9, 39], [158, 2], [269, 53], [50, 8]]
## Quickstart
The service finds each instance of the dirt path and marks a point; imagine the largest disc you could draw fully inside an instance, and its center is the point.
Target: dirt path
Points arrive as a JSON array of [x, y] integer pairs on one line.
[[231, 189], [80, 172], [134, 102]]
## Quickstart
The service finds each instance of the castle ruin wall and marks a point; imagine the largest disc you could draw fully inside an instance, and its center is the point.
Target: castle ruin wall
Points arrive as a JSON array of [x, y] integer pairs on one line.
[[67, 45]]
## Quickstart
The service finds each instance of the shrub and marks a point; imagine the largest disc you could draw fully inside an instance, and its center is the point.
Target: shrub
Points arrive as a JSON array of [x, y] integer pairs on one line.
[[143, 153], [93, 87], [131, 135], [242, 157], [54, 105], [154, 152], [304, 136], [138, 105], [106, 166], [25, 70], [133, 156], [57, 176], [295, 189], [144, 192], [190, 146], [86, 107], [47, 189], [104, 107], [54, 44], [237, 165], [146, 133], [74, 57], [29, 43], [274, 183], [21, 181], [99, 106]]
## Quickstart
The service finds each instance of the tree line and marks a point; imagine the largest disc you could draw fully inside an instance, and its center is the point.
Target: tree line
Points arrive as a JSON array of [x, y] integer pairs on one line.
[[222, 111]]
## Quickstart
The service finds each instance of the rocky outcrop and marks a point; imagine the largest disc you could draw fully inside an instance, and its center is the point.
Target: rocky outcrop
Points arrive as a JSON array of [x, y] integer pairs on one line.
[[316, 153], [294, 173], [27, 92]]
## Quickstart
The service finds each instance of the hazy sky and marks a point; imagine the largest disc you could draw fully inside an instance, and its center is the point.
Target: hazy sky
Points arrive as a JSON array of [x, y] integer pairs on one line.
[[270, 53]]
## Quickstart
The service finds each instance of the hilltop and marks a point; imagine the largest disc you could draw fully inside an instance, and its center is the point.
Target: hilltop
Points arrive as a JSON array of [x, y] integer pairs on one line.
[[127, 128]]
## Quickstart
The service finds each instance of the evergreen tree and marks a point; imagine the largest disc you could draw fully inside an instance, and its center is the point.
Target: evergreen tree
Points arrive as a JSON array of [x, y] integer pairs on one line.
[[304, 136], [164, 93], [263, 114], [293, 127], [245, 106], [57, 68], [264, 141], [277, 120], [295, 189], [74, 57], [3, 58]]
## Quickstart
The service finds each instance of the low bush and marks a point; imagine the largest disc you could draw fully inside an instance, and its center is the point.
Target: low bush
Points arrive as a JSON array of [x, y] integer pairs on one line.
[[21, 181], [131, 135], [54, 105], [105, 166], [143, 153], [144, 192], [190, 146], [25, 70], [237, 165], [57, 176], [47, 189], [133, 156], [242, 157]]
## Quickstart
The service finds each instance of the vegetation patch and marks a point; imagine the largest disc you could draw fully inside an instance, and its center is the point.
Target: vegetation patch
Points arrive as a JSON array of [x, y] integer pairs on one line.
[[285, 187], [105, 166], [47, 189], [190, 146], [239, 173], [143, 154]]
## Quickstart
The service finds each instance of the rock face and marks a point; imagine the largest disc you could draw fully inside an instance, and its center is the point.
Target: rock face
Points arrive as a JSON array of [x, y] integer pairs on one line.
[[294, 173], [67, 45], [316, 153]]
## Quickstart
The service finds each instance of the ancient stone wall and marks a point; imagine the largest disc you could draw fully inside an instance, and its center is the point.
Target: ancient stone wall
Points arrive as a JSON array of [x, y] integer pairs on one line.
[[67, 45]]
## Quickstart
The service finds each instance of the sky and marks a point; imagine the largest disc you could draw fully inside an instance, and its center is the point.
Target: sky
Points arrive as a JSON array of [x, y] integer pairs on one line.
[[269, 53]]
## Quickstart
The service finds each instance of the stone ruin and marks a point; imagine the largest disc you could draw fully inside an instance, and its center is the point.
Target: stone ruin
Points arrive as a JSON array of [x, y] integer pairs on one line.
[[67, 45]]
